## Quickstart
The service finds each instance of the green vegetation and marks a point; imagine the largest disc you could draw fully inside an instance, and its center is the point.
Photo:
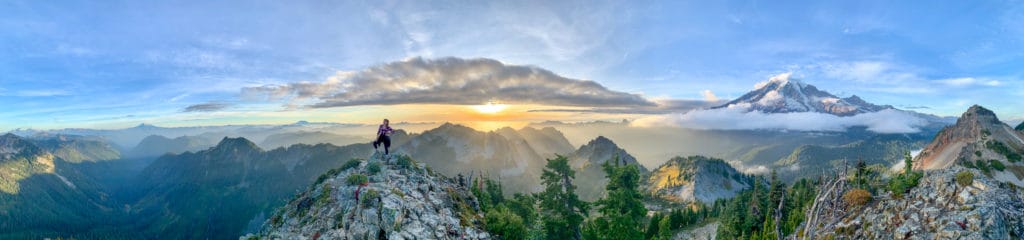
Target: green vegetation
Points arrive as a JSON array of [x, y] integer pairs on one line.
[[488, 192], [996, 164], [908, 179], [676, 219], [563, 211], [369, 198], [751, 214], [1000, 148], [1020, 127], [373, 168], [503, 222], [356, 179], [964, 178], [405, 162], [325, 195], [622, 210]]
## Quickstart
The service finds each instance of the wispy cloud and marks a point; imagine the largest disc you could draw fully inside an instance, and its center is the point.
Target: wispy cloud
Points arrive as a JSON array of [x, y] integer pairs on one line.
[[969, 81], [35, 93], [206, 107], [450, 81], [663, 107]]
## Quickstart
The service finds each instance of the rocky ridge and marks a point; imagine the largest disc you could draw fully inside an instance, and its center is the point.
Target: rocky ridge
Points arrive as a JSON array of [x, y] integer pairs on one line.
[[977, 137], [403, 200], [939, 208]]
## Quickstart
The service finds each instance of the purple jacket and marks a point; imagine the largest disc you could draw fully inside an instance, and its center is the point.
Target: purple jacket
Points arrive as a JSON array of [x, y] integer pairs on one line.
[[384, 130]]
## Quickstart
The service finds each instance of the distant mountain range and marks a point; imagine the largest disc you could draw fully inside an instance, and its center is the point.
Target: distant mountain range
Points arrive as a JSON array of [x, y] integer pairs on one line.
[[220, 192], [157, 145], [286, 139], [75, 149]]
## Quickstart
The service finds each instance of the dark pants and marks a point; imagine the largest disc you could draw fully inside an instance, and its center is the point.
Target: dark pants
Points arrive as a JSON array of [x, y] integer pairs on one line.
[[385, 140]]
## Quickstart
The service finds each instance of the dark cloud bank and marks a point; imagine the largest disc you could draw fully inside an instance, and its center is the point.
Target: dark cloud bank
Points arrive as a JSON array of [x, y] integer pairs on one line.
[[451, 81]]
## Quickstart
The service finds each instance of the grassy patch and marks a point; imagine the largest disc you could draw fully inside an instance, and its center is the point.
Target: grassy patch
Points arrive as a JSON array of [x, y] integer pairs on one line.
[[356, 179], [405, 162], [965, 178], [373, 168]]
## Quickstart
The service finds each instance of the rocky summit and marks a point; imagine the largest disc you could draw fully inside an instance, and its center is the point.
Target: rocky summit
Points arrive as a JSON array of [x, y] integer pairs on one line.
[[940, 208], [977, 140], [393, 198]]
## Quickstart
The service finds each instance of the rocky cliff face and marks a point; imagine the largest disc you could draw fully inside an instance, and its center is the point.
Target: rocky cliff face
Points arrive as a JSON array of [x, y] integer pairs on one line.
[[697, 178], [939, 208], [977, 140], [401, 200]]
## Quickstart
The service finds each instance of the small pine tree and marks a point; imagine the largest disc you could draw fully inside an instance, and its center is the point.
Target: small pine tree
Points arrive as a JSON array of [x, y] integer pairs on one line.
[[562, 209]]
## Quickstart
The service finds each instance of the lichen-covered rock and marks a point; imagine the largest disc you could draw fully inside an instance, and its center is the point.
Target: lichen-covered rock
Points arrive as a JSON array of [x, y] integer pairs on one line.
[[938, 208], [398, 202]]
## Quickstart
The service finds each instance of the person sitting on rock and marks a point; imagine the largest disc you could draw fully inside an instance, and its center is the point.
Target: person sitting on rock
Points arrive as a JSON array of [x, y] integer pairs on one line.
[[383, 137]]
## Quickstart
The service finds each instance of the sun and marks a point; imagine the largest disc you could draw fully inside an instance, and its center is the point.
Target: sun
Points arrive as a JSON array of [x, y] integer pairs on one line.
[[490, 108]]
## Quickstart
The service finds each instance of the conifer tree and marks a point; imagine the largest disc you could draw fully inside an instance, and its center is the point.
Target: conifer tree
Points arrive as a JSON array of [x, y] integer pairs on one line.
[[562, 209], [622, 210]]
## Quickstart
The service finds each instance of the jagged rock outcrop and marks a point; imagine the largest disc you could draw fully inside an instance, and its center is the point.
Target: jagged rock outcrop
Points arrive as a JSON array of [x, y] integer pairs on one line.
[[401, 200], [939, 208], [697, 178], [977, 138]]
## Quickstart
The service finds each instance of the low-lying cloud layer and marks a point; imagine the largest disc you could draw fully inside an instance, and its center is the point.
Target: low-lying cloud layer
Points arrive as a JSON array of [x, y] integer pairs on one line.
[[885, 121], [662, 107], [450, 81]]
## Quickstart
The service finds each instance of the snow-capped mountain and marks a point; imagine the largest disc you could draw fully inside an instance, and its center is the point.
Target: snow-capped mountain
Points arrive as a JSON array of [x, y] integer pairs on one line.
[[783, 94]]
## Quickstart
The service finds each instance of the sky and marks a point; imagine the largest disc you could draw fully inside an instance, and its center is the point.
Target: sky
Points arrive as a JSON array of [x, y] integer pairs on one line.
[[115, 64]]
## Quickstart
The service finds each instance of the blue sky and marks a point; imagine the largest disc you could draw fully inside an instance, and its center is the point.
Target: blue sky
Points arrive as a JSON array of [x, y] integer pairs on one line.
[[119, 63]]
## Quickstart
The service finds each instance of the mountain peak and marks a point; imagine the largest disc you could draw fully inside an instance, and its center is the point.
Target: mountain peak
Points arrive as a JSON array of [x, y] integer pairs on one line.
[[783, 79], [239, 143], [784, 94], [602, 141], [979, 115]]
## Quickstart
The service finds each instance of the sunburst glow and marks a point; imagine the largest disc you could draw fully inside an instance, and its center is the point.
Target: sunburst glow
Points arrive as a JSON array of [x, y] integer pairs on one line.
[[490, 108]]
